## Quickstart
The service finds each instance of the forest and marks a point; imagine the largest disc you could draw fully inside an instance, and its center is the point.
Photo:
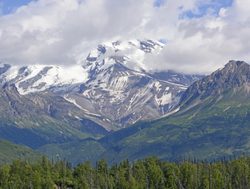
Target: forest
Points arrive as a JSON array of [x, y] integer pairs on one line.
[[149, 173]]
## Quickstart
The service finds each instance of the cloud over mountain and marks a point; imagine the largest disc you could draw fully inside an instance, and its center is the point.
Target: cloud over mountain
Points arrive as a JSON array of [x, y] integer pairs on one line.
[[198, 35]]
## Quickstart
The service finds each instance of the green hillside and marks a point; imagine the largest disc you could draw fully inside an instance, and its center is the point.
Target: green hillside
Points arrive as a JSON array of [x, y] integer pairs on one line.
[[74, 152], [201, 132], [38, 119], [10, 152]]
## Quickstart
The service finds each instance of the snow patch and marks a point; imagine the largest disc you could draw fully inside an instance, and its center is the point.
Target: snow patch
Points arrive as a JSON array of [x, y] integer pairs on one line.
[[73, 101], [164, 99], [55, 76]]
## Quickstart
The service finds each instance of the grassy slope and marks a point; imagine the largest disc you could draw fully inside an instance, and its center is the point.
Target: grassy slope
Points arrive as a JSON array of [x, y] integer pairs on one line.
[[74, 152], [38, 119], [10, 152], [204, 128], [209, 130]]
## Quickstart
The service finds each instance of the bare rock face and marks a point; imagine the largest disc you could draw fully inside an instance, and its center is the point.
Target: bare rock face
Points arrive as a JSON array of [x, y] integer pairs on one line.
[[233, 78]]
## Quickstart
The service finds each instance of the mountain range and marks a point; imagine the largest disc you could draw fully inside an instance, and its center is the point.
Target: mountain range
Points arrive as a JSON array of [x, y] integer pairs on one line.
[[111, 105], [212, 122], [108, 90]]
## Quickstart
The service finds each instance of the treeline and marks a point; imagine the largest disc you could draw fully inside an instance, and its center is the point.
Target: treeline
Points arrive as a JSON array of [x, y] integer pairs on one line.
[[149, 173]]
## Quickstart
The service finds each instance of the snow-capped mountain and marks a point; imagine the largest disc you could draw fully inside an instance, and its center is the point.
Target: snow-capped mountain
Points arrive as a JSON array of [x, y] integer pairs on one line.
[[129, 53], [36, 78], [112, 85]]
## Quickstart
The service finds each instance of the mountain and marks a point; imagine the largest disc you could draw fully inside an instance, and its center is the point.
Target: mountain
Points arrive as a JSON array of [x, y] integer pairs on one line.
[[212, 121], [35, 120], [230, 82], [112, 87], [10, 152]]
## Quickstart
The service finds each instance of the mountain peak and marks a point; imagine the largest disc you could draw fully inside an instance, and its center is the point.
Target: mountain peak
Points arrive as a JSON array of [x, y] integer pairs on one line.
[[130, 53], [235, 76], [236, 64], [235, 71]]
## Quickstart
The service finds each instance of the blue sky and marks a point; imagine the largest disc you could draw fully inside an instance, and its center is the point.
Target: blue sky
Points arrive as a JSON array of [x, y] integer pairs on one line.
[[212, 6], [159, 3], [8, 6]]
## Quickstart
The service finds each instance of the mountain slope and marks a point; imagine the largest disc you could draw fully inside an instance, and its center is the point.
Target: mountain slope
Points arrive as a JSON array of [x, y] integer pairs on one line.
[[124, 96], [10, 152], [75, 152], [35, 120], [213, 121]]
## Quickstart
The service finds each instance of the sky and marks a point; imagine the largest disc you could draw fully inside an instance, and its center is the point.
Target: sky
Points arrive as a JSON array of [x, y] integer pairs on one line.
[[201, 35], [9, 6]]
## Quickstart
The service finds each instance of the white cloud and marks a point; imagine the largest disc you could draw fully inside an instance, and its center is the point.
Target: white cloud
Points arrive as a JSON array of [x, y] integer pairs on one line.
[[56, 31], [202, 45], [59, 31]]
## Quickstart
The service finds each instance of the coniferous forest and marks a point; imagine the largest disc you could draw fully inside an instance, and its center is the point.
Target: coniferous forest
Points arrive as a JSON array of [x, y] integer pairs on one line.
[[149, 173]]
